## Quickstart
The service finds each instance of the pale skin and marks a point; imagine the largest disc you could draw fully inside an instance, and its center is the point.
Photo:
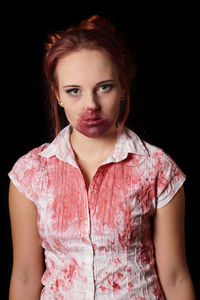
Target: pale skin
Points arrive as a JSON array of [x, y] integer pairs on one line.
[[86, 69]]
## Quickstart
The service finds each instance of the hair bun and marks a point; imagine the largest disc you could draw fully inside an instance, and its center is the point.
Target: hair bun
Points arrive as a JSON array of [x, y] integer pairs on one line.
[[52, 39], [95, 22]]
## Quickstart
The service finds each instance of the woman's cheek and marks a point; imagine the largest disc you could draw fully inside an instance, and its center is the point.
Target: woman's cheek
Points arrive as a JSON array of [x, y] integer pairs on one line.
[[69, 115]]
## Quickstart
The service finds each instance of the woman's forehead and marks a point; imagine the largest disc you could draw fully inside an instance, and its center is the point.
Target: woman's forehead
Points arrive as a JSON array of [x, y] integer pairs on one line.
[[85, 66]]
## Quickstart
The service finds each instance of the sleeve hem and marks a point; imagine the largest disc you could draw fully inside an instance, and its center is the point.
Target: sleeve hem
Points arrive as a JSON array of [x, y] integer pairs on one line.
[[172, 194]]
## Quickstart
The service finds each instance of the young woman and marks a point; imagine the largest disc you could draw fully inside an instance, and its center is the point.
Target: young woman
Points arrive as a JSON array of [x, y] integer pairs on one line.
[[106, 206]]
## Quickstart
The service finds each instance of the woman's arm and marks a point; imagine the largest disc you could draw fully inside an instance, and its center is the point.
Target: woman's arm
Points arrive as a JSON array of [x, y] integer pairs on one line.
[[27, 251], [169, 243]]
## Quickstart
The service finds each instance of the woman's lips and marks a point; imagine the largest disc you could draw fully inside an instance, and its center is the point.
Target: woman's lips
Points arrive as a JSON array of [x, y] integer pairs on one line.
[[90, 115], [94, 122], [92, 119]]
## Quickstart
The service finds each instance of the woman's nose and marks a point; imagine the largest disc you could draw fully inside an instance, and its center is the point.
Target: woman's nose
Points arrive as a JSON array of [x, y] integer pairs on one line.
[[91, 101]]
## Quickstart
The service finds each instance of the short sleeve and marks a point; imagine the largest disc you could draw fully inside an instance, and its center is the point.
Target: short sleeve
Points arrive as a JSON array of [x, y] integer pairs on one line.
[[170, 178], [25, 174]]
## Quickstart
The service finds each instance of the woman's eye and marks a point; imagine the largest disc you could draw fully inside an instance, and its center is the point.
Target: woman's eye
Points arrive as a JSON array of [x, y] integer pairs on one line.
[[105, 88], [73, 92]]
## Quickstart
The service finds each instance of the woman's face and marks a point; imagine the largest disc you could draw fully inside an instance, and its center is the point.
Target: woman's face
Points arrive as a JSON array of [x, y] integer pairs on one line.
[[89, 90]]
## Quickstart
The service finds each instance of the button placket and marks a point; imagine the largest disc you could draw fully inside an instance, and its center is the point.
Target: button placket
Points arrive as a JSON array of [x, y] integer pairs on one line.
[[90, 256]]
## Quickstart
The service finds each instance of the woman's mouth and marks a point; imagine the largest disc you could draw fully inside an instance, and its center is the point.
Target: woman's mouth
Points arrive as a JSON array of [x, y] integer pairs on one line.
[[94, 122]]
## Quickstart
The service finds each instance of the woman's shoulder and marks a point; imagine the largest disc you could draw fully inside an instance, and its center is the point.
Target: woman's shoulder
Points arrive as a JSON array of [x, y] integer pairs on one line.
[[163, 164], [154, 156], [167, 175], [30, 160], [27, 172], [34, 153], [146, 147], [158, 154]]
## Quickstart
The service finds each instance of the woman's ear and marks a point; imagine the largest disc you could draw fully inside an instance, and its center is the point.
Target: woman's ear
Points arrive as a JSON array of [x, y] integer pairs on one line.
[[54, 90], [56, 93]]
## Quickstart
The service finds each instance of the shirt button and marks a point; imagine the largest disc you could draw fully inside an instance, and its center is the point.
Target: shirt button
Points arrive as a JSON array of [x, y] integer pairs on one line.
[[95, 191]]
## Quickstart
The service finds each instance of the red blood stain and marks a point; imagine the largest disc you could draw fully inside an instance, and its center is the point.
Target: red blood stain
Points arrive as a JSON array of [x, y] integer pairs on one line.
[[116, 286], [102, 288], [145, 258], [101, 248], [94, 245], [70, 272], [157, 292], [117, 261], [85, 241], [57, 284], [130, 285], [63, 209], [120, 275]]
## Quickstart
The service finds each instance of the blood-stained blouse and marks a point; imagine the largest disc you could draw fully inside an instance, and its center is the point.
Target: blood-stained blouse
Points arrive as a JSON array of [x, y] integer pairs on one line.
[[98, 243]]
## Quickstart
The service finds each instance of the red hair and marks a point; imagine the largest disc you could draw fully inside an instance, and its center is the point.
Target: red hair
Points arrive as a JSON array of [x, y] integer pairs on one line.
[[95, 33]]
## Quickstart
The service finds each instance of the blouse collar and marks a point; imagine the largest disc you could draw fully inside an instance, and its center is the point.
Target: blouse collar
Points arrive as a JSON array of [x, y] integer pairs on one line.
[[127, 142]]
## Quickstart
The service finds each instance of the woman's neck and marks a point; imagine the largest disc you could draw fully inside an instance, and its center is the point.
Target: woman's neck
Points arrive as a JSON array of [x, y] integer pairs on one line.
[[92, 149]]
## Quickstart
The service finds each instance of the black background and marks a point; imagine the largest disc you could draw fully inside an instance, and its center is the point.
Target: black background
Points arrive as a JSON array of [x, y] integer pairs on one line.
[[164, 110]]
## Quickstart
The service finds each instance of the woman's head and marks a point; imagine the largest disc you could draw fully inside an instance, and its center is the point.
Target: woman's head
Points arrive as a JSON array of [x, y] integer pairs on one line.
[[95, 36], [88, 87]]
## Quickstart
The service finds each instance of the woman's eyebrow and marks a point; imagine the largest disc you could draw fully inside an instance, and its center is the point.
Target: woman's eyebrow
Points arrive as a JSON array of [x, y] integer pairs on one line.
[[105, 81], [98, 83]]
